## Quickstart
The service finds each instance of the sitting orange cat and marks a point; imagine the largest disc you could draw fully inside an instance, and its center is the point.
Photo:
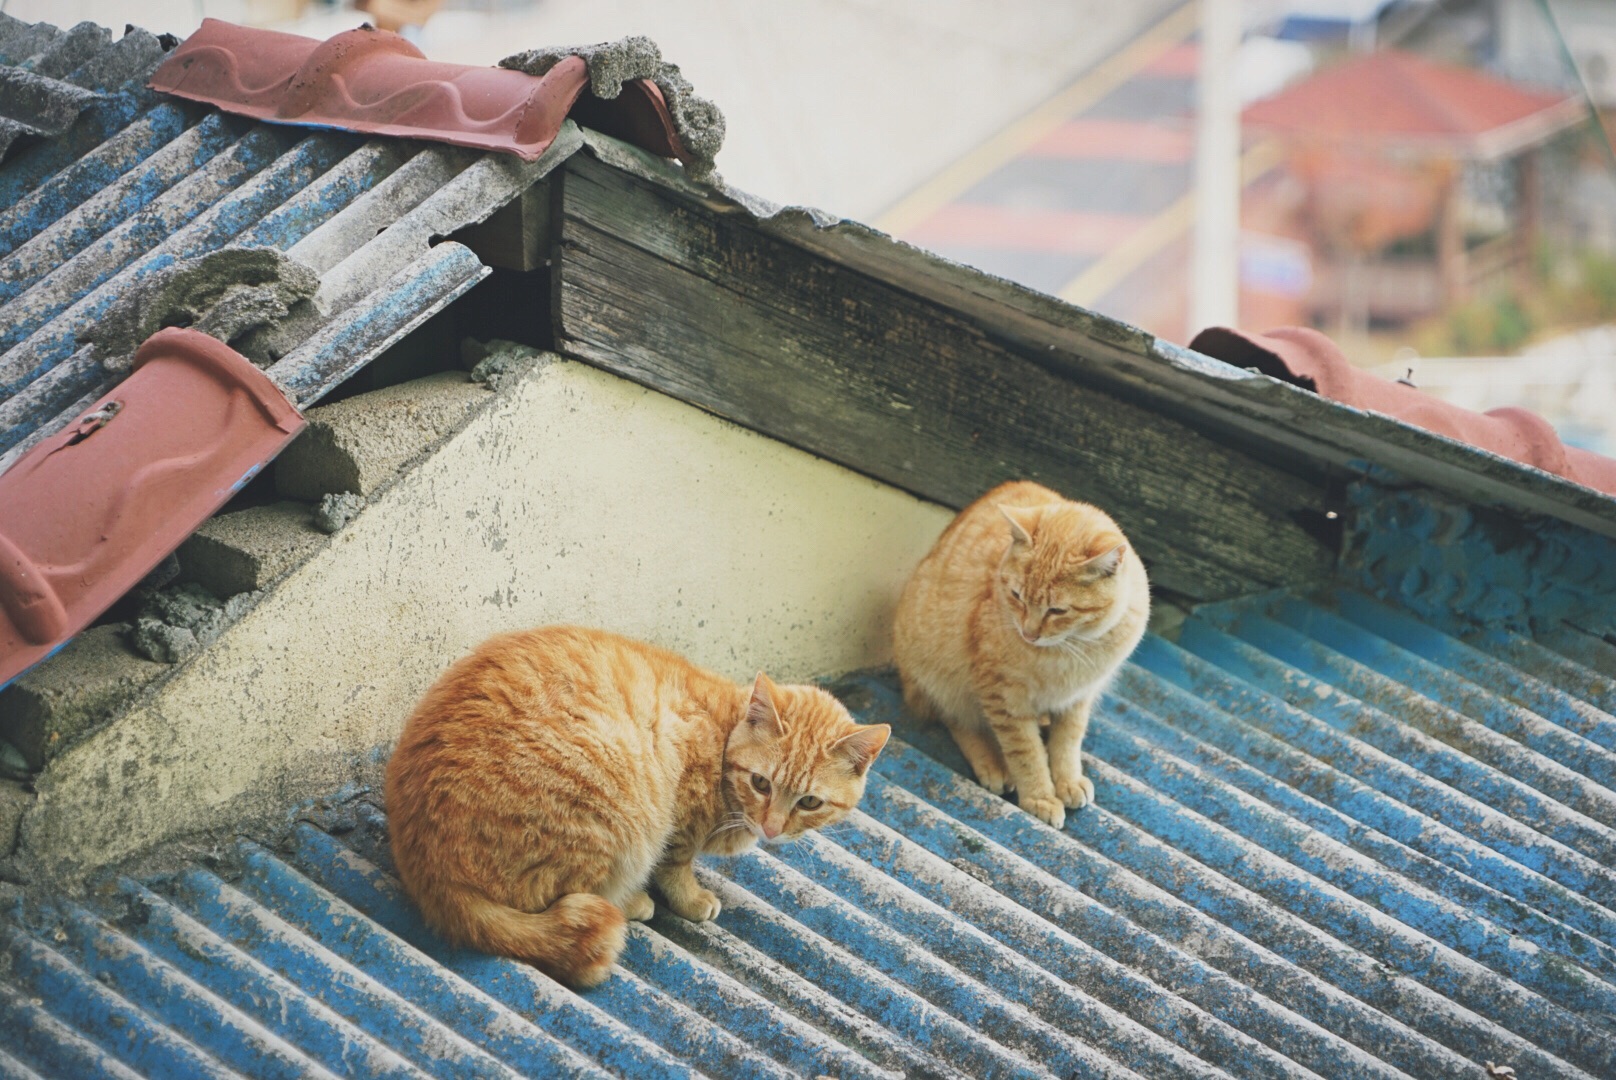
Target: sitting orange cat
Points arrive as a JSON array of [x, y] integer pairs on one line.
[[1021, 613], [545, 779]]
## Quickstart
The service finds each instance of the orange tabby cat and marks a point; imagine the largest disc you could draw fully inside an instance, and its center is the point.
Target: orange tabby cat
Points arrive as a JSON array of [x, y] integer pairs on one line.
[[1016, 620], [547, 778]]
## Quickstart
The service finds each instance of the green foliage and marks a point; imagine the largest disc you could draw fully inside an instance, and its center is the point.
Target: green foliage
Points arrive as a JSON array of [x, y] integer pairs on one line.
[[1512, 324], [1599, 283], [1566, 292], [1499, 324]]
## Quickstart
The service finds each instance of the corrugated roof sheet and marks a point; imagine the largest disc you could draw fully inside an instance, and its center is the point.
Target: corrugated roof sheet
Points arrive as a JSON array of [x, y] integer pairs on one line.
[[1329, 840], [138, 183], [48, 77]]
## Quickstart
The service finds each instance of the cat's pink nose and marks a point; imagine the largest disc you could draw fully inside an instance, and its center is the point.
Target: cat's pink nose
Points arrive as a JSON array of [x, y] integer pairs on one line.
[[770, 831]]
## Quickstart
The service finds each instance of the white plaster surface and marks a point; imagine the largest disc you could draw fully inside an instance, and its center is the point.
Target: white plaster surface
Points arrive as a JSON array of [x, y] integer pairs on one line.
[[575, 497]]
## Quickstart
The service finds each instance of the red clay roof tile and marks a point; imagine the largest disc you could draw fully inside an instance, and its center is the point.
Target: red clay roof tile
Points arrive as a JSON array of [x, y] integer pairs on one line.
[[375, 82], [1396, 97], [90, 511], [1312, 361]]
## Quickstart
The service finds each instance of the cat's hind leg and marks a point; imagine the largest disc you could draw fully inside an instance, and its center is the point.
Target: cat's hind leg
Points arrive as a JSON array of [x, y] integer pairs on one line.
[[976, 742], [982, 753], [639, 906], [918, 703]]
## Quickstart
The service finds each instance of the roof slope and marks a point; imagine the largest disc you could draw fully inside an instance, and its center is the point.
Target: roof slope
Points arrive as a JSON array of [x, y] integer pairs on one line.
[[139, 183], [1327, 842], [132, 203]]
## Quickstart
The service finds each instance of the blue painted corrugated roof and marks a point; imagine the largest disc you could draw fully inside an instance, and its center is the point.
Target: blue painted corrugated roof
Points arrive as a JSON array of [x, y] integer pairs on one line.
[[1330, 840], [138, 182]]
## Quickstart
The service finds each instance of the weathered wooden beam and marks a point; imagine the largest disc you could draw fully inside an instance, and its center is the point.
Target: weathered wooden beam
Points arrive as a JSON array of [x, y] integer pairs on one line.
[[703, 306]]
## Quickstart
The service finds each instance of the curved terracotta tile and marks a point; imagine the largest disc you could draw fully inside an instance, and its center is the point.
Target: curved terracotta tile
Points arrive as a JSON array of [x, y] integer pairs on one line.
[[90, 511], [375, 82], [1308, 359]]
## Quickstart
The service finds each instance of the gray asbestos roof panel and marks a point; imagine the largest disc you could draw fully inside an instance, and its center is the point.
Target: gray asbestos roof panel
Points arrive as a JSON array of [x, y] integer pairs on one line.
[[128, 183]]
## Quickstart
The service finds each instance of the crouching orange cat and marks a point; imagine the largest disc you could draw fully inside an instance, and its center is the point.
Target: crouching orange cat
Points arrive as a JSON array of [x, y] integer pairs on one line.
[[1015, 621], [546, 779]]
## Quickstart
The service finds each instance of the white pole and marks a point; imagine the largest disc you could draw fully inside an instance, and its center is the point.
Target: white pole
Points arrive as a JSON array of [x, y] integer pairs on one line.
[[1215, 285]]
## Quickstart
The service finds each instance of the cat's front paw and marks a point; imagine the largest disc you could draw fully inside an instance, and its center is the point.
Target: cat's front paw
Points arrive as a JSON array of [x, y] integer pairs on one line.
[[639, 907], [1046, 810], [1075, 791], [698, 906]]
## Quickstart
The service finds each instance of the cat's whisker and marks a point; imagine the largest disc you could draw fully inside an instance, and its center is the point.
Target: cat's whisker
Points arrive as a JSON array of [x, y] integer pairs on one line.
[[728, 826]]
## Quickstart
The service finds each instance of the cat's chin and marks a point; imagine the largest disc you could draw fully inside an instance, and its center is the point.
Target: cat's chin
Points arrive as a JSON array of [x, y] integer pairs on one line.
[[1084, 634]]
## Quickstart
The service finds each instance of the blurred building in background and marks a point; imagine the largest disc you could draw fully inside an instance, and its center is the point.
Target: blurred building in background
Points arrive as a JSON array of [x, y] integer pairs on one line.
[[1415, 184], [1421, 179]]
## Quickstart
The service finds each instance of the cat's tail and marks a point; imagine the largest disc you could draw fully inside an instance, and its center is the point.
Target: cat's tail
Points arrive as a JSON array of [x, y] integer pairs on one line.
[[575, 940]]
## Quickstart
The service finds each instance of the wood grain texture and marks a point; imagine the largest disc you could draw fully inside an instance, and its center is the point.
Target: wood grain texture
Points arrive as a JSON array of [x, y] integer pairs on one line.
[[703, 306]]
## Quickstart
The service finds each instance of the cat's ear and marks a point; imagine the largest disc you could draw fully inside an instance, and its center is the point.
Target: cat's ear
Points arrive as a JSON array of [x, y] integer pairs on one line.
[[763, 721], [859, 749], [1106, 555], [1022, 519]]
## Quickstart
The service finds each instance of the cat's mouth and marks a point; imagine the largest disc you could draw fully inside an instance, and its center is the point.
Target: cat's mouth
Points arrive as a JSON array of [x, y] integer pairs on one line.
[[763, 837]]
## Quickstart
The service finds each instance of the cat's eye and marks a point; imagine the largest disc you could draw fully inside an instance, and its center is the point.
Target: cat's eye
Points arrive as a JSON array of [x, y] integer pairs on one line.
[[761, 783], [1016, 593], [1058, 610], [810, 802]]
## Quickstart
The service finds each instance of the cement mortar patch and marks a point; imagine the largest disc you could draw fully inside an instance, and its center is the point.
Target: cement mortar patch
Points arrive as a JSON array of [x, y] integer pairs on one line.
[[249, 549], [13, 802], [575, 497], [360, 444], [91, 679]]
